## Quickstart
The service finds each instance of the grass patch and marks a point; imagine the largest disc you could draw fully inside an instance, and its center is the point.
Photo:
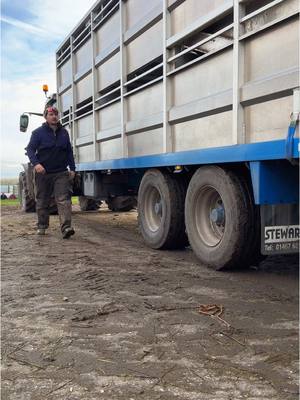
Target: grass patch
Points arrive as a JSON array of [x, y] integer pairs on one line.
[[75, 200], [16, 202], [8, 202]]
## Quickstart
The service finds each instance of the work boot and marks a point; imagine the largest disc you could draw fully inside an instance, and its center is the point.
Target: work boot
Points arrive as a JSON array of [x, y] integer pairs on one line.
[[68, 232], [41, 231]]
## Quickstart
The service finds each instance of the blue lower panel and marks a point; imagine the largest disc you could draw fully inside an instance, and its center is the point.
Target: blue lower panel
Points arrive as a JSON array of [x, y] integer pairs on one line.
[[275, 182], [274, 150]]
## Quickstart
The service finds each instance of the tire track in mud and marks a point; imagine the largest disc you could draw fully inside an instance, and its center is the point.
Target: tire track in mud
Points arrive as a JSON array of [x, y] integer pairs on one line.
[[102, 316]]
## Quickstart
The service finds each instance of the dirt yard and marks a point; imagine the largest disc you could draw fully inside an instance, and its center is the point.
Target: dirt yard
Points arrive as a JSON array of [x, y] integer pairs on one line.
[[101, 316]]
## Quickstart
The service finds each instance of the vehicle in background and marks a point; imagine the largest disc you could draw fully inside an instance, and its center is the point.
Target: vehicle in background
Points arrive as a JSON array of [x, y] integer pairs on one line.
[[26, 177]]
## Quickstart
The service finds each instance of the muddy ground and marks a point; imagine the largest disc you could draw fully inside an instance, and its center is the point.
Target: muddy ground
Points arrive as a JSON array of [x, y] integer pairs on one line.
[[101, 316]]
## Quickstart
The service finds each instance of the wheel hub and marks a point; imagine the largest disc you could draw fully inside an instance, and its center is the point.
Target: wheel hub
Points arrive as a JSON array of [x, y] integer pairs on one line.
[[210, 216], [217, 215], [153, 209], [158, 208]]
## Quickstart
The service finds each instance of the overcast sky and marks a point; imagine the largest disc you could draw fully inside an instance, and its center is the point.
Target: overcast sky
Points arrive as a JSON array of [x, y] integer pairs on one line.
[[31, 31]]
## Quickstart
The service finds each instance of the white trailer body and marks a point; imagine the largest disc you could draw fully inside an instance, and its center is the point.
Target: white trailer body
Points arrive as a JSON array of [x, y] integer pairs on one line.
[[175, 85]]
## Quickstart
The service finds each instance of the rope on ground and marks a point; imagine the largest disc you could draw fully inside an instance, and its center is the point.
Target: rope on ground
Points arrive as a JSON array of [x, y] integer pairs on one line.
[[214, 311]]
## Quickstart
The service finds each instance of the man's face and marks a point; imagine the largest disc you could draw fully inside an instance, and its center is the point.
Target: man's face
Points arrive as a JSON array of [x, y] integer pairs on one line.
[[52, 118]]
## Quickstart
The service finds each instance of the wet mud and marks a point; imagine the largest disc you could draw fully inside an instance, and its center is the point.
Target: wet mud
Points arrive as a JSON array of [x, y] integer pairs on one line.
[[101, 316]]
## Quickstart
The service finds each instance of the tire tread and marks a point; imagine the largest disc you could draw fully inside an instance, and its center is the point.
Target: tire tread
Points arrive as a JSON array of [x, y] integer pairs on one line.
[[28, 203]]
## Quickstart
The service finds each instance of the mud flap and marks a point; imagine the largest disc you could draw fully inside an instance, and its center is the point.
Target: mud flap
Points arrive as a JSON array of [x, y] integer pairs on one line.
[[279, 229]]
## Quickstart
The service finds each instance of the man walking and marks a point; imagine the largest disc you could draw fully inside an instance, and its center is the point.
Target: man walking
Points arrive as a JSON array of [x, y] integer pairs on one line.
[[50, 152]]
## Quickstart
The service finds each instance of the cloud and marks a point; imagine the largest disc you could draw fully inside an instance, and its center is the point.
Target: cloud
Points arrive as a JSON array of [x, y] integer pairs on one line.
[[60, 19], [23, 25], [17, 97], [28, 61]]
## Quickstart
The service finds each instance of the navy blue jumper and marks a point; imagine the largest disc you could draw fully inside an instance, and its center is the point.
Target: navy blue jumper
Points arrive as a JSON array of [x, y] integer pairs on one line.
[[52, 150]]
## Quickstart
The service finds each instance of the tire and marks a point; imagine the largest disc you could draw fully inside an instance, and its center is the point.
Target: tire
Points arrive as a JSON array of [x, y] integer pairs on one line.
[[161, 211], [252, 253], [88, 204], [218, 217], [121, 203], [27, 203]]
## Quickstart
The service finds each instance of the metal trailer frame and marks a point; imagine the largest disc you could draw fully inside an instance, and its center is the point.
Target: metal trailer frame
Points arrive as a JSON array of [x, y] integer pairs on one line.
[[240, 96], [236, 100], [269, 162]]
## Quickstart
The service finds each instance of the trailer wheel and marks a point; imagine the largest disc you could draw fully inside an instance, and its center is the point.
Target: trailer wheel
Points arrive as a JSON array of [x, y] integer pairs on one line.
[[87, 204], [217, 217], [161, 211], [27, 203]]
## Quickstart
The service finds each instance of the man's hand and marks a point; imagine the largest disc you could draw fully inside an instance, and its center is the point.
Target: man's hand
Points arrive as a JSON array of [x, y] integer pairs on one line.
[[72, 174], [39, 169]]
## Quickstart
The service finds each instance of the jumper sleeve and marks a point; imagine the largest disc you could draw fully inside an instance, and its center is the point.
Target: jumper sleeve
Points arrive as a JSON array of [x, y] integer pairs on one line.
[[32, 148]]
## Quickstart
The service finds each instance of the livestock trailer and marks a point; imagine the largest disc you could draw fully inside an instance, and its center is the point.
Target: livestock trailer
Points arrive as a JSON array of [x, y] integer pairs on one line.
[[191, 106]]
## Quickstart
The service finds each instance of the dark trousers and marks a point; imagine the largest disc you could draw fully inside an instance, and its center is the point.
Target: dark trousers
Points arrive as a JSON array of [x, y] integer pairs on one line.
[[58, 185]]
